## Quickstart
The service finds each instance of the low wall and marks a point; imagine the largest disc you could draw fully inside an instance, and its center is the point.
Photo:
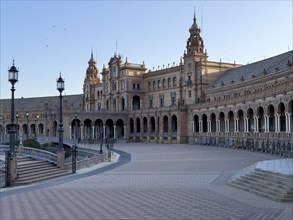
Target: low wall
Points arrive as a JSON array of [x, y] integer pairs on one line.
[[87, 162], [280, 146]]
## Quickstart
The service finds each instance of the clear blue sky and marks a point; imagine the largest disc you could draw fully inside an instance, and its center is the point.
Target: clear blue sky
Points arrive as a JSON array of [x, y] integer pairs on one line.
[[46, 37]]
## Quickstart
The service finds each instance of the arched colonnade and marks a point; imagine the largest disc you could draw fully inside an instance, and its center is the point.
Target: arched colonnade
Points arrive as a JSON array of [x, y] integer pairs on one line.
[[263, 118], [89, 129]]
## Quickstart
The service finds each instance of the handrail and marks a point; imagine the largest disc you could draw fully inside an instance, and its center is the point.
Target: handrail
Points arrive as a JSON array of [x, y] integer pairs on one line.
[[38, 154]]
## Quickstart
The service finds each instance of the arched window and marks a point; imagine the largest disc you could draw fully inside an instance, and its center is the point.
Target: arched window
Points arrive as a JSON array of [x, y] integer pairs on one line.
[[136, 102], [164, 83], [174, 81]]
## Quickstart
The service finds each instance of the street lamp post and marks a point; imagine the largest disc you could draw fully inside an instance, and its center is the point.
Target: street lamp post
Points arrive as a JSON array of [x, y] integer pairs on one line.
[[101, 139], [3, 135], [74, 147], [13, 78], [75, 127], [17, 126], [26, 115], [60, 88], [10, 161], [1, 130]]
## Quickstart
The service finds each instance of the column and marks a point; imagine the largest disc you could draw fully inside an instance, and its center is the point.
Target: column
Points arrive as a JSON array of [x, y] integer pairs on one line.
[[81, 131], [265, 123], [131, 104], [200, 126], [255, 124], [124, 131], [268, 123], [104, 132], [236, 124], [140, 103], [114, 131], [70, 135], [209, 125], [93, 132], [288, 122], [193, 124], [219, 125], [277, 123]]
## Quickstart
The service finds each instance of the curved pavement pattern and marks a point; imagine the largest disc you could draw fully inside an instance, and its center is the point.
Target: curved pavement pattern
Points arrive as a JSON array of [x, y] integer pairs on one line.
[[150, 181]]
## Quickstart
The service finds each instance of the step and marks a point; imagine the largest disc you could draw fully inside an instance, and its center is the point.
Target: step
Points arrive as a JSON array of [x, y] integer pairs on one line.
[[272, 179], [31, 161], [41, 174], [276, 178], [36, 169], [38, 172], [259, 193], [260, 188], [267, 172], [22, 159], [31, 171], [39, 179], [265, 189], [267, 182], [33, 166]]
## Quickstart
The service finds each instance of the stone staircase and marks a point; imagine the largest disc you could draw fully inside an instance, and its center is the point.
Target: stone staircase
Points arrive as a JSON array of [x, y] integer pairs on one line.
[[275, 186], [32, 171]]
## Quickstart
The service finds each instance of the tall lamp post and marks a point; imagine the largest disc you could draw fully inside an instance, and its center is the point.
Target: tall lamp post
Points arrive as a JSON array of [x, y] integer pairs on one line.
[[3, 135], [1, 130], [13, 78], [75, 128], [60, 88], [10, 156], [26, 115], [17, 126], [74, 147]]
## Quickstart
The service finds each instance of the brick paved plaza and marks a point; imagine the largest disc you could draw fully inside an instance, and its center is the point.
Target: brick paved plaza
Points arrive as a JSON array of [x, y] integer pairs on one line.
[[150, 181]]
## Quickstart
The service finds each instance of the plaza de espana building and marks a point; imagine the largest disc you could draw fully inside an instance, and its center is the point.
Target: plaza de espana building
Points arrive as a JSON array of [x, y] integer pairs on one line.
[[196, 102]]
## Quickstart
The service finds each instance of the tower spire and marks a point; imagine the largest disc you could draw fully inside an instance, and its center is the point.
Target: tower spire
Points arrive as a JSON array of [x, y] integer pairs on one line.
[[195, 42], [92, 54]]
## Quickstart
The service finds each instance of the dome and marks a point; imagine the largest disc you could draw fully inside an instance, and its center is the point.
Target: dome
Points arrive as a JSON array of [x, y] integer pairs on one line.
[[194, 27]]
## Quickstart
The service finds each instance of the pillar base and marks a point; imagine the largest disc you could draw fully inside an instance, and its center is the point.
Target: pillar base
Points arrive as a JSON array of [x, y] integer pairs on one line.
[[61, 159], [13, 167]]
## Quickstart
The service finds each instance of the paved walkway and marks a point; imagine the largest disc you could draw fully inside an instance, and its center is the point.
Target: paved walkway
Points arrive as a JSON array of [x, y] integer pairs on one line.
[[150, 181]]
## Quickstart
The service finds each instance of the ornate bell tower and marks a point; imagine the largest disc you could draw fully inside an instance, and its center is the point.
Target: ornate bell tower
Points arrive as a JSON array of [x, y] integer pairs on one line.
[[90, 83], [195, 45], [194, 62]]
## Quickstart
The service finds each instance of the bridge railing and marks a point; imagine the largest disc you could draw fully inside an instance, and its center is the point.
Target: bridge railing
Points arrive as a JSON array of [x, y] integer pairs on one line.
[[38, 154]]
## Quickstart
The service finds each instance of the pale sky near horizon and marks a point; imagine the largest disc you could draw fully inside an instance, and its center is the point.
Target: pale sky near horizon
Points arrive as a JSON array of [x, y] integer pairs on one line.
[[46, 37]]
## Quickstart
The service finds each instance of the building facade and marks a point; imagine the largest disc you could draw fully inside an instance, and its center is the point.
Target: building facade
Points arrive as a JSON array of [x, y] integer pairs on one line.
[[197, 101]]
